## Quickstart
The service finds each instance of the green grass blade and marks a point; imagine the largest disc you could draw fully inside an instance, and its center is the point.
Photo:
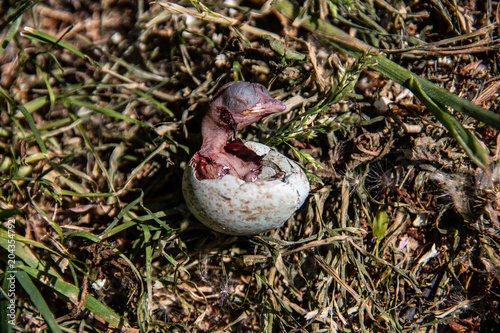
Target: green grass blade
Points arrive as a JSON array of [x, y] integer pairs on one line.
[[40, 270], [49, 39], [149, 255], [33, 128], [73, 294], [356, 48], [14, 27], [24, 253], [52, 97], [49, 221], [125, 210], [105, 111], [436, 94], [5, 319], [380, 223], [84, 234], [68, 193], [155, 102], [29, 119], [37, 300], [36, 104], [23, 8], [464, 137]]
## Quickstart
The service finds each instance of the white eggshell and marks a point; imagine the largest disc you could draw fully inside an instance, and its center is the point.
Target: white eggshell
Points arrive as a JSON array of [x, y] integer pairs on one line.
[[232, 206]]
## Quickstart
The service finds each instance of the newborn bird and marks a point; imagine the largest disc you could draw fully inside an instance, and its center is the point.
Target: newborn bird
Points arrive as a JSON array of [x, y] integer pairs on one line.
[[234, 106]]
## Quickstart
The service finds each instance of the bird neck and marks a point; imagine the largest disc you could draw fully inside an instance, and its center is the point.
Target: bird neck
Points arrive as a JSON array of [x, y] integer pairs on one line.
[[215, 136]]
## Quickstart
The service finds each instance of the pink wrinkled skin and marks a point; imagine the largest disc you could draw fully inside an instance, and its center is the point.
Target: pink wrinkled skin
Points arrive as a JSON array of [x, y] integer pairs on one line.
[[236, 105]]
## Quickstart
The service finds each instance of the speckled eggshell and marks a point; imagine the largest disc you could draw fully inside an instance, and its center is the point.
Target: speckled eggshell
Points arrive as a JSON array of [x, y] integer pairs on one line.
[[232, 206]]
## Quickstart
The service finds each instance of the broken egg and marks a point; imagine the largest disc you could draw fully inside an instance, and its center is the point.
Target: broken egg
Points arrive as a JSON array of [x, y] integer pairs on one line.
[[236, 207], [237, 187]]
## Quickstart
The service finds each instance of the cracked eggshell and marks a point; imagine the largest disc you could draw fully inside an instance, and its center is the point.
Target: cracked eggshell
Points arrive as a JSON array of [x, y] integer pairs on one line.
[[232, 206]]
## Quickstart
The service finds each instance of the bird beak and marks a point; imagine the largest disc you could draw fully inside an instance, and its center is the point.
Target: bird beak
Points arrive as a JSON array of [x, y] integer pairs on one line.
[[266, 107]]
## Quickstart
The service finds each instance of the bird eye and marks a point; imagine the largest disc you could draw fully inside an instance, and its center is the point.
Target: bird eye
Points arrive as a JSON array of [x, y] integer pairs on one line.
[[260, 88]]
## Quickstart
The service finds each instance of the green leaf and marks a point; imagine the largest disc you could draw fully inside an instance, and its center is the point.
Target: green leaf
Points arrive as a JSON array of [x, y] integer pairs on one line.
[[280, 48], [465, 138], [29, 119], [73, 294], [105, 111], [436, 94], [5, 319], [52, 97], [84, 234], [149, 255], [49, 39], [6, 213], [37, 300], [33, 128], [46, 274], [380, 223], [36, 104], [10, 34], [17, 15], [155, 102]]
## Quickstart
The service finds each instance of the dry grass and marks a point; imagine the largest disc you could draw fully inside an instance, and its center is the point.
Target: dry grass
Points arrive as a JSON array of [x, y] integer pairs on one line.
[[100, 112]]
